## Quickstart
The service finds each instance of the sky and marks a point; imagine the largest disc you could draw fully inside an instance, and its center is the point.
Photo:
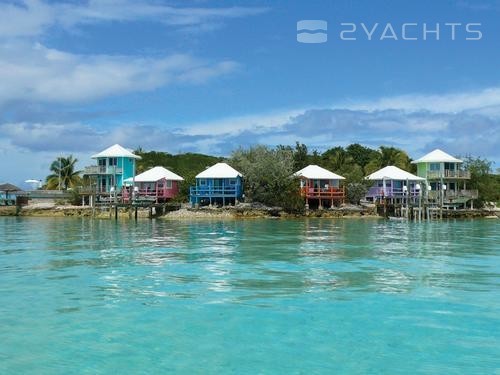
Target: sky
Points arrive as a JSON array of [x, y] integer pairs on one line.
[[202, 76]]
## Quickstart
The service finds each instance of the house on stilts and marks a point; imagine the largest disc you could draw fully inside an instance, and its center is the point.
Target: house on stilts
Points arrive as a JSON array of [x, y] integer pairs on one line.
[[320, 187], [393, 185], [157, 184], [446, 179], [220, 184], [114, 165]]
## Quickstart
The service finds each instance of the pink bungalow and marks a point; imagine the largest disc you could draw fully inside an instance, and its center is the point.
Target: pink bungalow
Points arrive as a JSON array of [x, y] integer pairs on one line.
[[158, 184]]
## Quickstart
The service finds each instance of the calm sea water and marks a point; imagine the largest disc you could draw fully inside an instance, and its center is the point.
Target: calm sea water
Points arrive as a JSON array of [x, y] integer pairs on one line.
[[246, 297]]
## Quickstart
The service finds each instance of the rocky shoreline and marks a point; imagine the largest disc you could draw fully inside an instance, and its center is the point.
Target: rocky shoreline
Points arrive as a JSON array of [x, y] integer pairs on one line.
[[241, 211]]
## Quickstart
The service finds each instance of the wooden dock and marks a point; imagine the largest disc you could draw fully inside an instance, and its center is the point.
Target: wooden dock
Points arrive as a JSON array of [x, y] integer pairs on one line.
[[154, 209]]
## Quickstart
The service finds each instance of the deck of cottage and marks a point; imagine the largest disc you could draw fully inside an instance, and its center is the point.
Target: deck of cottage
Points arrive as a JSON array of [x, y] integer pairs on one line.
[[448, 173], [94, 170], [323, 193], [391, 192], [215, 191], [157, 194]]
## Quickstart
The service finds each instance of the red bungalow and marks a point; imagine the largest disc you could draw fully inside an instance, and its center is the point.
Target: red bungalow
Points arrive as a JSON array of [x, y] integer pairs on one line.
[[320, 185], [156, 184]]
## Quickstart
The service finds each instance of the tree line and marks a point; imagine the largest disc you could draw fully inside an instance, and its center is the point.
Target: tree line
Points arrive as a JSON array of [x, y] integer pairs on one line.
[[267, 170]]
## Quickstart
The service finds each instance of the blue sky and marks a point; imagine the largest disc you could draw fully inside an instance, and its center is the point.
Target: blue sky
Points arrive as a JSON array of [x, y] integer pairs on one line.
[[208, 77]]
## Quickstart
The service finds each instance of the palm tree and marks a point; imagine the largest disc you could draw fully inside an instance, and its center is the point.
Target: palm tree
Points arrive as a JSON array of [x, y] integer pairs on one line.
[[389, 156], [63, 174], [337, 159]]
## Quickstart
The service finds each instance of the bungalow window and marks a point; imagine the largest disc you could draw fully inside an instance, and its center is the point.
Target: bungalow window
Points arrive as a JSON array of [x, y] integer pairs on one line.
[[203, 182], [232, 181], [168, 184], [450, 166], [112, 162], [434, 167]]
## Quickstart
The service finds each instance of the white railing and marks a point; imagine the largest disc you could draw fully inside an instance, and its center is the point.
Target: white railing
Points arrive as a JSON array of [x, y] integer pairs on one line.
[[447, 173], [102, 169], [390, 192], [451, 194]]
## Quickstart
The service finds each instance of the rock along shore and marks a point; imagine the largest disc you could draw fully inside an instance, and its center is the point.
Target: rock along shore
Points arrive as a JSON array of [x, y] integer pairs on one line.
[[241, 211]]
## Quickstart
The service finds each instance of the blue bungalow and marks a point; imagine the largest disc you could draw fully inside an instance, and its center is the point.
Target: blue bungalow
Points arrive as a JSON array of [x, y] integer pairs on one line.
[[219, 184], [114, 165]]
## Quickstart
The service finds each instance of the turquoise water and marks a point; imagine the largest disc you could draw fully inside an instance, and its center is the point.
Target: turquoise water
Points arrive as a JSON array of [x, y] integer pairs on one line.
[[247, 297]]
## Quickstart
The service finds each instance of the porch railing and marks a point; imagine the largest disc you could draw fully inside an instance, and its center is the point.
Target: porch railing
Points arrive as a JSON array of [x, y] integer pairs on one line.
[[449, 174], [323, 193], [452, 194], [147, 193], [390, 192], [93, 190], [209, 191], [102, 169]]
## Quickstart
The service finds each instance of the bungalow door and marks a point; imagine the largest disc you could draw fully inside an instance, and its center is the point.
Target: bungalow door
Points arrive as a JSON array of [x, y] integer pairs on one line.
[[397, 187], [218, 185], [102, 183]]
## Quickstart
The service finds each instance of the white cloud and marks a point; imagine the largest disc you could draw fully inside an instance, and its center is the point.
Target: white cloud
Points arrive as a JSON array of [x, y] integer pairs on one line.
[[29, 18], [33, 73], [38, 74], [446, 103], [416, 129], [258, 124]]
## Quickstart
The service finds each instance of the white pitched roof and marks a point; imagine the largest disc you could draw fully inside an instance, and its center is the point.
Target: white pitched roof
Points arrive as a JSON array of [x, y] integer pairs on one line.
[[115, 151], [155, 174], [219, 170], [393, 173], [437, 156], [316, 172]]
